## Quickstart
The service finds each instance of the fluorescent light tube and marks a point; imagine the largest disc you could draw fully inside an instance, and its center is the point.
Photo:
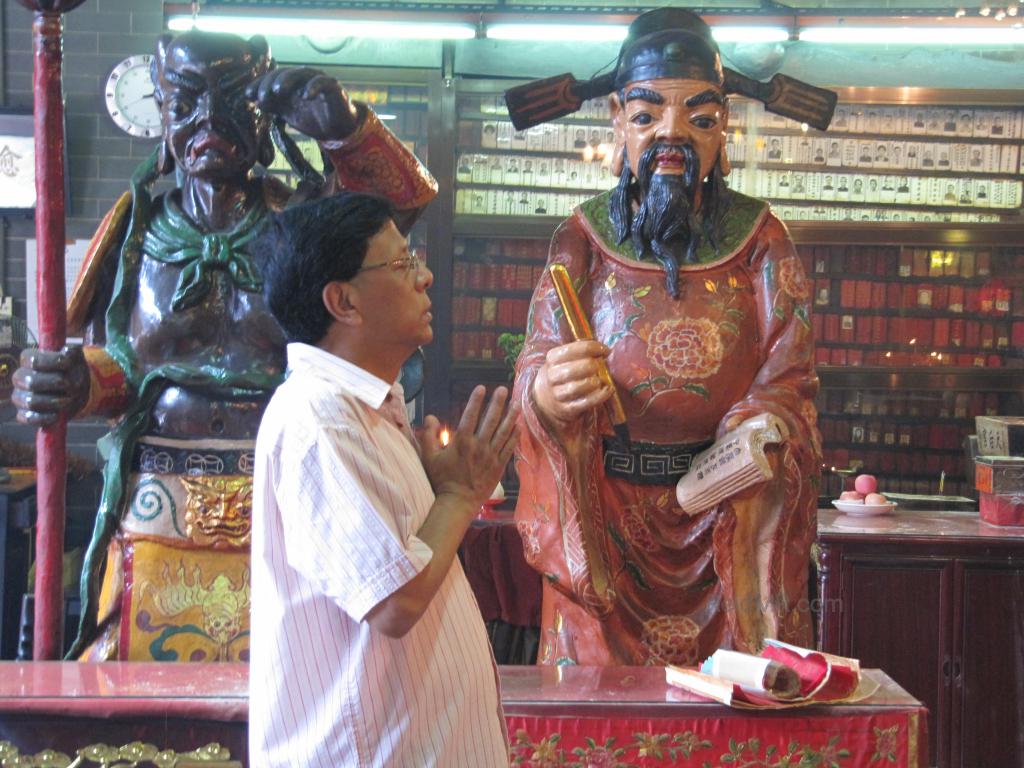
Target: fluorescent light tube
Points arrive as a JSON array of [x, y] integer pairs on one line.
[[616, 33], [952, 35], [294, 27], [749, 34], [566, 33]]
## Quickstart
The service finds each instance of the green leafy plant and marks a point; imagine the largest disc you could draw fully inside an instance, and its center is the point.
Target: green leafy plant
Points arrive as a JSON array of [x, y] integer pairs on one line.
[[511, 345]]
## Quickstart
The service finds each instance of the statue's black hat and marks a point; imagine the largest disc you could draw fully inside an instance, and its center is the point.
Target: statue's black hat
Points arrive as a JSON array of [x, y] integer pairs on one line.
[[669, 42]]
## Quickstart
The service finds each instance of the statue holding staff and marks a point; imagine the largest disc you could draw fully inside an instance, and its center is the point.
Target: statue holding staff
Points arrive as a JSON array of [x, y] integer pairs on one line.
[[184, 353]]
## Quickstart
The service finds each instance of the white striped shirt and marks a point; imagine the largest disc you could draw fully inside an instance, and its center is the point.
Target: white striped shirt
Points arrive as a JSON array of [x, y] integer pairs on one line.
[[338, 495]]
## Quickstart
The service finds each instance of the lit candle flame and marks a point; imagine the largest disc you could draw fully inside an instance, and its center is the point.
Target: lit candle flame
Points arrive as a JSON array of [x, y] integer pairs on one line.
[[445, 436]]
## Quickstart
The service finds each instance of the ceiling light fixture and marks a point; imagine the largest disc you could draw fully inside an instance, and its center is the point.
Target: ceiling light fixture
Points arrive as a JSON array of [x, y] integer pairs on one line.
[[571, 31], [931, 36], [567, 33], [323, 27], [749, 34], [616, 33]]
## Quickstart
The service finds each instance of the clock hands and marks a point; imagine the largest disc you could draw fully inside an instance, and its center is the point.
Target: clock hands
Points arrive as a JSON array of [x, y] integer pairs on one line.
[[142, 98]]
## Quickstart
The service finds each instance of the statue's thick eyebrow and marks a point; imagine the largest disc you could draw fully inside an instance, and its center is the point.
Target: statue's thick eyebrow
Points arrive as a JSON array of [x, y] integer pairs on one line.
[[233, 80], [184, 80], [710, 96], [644, 94]]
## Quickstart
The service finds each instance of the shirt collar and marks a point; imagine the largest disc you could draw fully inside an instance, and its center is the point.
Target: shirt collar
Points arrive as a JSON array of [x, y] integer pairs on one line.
[[339, 372]]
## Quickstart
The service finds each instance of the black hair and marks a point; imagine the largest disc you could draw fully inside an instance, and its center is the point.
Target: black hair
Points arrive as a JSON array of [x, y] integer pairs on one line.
[[665, 225], [301, 249]]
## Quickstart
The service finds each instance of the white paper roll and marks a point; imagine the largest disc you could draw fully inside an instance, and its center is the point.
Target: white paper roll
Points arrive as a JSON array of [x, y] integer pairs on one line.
[[740, 668]]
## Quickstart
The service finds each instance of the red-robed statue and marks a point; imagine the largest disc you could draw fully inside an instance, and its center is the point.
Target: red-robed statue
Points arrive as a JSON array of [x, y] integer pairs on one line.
[[185, 353], [700, 309]]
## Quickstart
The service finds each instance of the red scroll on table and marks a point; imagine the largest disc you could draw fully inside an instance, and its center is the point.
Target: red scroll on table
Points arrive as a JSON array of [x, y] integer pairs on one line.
[[781, 676]]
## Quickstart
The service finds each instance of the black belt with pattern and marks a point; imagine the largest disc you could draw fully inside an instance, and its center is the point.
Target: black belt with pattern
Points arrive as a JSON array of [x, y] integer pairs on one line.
[[650, 463], [170, 460]]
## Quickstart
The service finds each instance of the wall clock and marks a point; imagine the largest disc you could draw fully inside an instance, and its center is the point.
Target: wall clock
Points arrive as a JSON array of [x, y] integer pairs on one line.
[[130, 101]]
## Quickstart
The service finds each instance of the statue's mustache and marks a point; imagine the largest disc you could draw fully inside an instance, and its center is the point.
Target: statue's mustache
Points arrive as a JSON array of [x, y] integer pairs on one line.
[[649, 163]]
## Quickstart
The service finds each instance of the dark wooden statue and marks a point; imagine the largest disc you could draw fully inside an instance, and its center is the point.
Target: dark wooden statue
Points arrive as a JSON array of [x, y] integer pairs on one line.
[[185, 352]]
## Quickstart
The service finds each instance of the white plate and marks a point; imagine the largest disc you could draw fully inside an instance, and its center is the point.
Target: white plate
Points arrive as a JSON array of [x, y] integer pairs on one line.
[[866, 523], [863, 510]]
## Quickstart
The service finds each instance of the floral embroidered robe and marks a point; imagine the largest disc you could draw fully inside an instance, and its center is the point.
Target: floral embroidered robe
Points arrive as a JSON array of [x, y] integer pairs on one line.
[[636, 580]]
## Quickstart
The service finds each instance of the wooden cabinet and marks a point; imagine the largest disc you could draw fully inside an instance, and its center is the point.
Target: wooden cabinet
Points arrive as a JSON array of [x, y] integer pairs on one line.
[[907, 426], [937, 601], [917, 331]]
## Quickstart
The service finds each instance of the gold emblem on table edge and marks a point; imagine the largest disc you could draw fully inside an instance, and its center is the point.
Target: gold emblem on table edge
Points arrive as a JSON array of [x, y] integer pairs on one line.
[[135, 754]]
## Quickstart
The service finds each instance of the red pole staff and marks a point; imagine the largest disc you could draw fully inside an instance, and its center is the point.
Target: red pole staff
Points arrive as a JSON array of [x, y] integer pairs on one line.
[[51, 442]]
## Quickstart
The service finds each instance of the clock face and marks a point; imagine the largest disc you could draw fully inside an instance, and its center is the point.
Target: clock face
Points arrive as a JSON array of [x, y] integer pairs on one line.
[[130, 100]]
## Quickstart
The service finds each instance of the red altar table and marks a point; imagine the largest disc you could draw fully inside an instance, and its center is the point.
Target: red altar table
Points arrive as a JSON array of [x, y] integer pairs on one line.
[[69, 706], [557, 716], [629, 716]]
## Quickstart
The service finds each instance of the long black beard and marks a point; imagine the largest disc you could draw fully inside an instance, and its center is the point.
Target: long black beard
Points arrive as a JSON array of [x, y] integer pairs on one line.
[[665, 223]]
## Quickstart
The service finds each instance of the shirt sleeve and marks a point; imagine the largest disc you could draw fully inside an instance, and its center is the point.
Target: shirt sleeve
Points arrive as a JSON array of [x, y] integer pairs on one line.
[[343, 513]]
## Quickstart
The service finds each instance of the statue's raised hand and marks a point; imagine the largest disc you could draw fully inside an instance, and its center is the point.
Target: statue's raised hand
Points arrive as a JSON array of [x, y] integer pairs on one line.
[[569, 384], [307, 100], [48, 384]]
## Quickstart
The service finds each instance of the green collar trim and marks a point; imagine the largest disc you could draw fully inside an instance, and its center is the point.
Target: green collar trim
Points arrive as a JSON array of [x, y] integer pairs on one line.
[[745, 213]]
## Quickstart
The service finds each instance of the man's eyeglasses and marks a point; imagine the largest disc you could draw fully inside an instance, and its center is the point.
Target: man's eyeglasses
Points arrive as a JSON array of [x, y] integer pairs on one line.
[[405, 265]]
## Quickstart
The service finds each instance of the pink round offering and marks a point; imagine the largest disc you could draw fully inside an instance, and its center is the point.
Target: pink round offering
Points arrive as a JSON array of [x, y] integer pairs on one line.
[[865, 484], [875, 498], [852, 496]]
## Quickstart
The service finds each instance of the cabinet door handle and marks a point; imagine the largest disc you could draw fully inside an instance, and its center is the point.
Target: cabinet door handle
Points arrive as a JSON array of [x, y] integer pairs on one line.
[[958, 679], [947, 666]]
